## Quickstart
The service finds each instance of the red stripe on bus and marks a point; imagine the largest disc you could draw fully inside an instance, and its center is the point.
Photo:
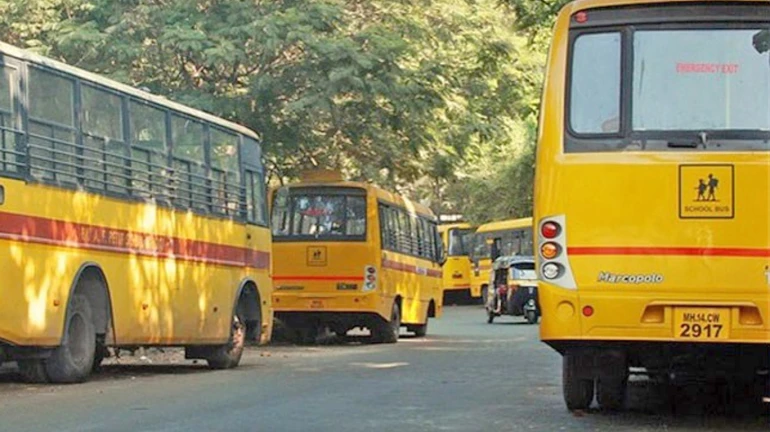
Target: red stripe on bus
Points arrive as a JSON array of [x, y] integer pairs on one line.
[[32, 229], [318, 278], [669, 251], [409, 268]]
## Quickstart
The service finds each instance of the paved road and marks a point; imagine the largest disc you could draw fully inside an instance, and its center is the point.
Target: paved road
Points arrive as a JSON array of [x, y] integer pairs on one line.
[[466, 376]]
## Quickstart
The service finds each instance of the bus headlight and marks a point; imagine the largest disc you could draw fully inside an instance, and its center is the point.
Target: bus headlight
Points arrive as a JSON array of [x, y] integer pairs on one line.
[[551, 271]]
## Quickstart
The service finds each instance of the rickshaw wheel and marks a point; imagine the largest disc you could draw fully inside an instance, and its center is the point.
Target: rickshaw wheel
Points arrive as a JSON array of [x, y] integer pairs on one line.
[[532, 317]]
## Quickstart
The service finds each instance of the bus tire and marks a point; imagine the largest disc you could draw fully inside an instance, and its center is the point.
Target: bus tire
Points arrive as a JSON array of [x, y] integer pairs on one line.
[[33, 371], [72, 361], [578, 392], [421, 330], [228, 356], [611, 393], [388, 332]]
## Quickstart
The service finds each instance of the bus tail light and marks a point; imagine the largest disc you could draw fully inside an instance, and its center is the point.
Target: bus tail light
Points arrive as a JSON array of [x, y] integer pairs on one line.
[[550, 230], [370, 278], [549, 250], [553, 260]]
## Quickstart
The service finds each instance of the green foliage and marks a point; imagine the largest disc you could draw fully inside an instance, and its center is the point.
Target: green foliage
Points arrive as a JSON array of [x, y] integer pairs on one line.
[[431, 97]]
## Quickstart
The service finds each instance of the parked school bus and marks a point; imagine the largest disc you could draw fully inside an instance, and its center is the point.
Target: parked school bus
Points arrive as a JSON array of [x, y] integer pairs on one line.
[[651, 194], [515, 237], [126, 220], [457, 239], [351, 255]]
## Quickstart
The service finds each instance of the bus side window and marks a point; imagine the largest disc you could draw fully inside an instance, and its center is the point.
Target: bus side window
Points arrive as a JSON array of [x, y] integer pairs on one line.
[[256, 197], [105, 150], [148, 151], [404, 243], [10, 160], [225, 175], [422, 237], [52, 126], [381, 212], [438, 252], [189, 163]]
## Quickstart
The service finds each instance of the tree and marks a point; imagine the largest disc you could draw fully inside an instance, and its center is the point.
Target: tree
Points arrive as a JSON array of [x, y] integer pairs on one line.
[[409, 95]]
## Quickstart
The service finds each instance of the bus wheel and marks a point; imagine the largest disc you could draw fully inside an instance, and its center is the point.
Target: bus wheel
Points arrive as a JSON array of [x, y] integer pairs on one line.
[[229, 355], [421, 330], [578, 392], [611, 393], [387, 332], [33, 371], [73, 360]]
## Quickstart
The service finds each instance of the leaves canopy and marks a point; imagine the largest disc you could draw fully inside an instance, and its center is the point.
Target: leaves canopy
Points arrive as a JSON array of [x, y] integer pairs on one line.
[[435, 98]]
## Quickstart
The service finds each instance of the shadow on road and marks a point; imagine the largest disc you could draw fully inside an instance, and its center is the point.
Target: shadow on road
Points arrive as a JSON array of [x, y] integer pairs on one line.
[[686, 405]]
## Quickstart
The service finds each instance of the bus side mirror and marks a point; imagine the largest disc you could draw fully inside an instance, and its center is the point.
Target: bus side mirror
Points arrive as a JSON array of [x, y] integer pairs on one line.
[[442, 256]]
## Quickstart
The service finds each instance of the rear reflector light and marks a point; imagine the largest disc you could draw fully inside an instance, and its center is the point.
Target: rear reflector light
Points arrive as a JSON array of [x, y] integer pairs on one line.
[[588, 311]]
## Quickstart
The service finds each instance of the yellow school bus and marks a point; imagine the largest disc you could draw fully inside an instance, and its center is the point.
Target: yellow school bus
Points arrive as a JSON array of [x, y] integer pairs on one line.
[[457, 239], [126, 220], [651, 194], [351, 255], [515, 239]]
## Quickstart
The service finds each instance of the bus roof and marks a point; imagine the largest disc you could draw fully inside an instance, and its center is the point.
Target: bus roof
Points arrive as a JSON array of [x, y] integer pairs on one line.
[[25, 55], [447, 226], [578, 5], [381, 194], [505, 225]]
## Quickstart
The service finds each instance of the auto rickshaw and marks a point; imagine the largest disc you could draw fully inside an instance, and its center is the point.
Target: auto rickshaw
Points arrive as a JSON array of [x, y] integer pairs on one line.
[[513, 289]]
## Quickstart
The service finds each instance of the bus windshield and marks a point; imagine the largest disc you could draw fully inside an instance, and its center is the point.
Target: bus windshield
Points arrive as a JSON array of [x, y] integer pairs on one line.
[[704, 85], [460, 242], [513, 242], [318, 214]]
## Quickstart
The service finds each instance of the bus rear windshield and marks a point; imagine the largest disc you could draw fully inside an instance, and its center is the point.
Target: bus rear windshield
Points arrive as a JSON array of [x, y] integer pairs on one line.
[[704, 87], [317, 214]]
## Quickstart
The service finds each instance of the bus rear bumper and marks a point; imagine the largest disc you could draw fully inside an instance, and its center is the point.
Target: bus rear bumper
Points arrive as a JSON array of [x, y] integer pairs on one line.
[[708, 318], [326, 303]]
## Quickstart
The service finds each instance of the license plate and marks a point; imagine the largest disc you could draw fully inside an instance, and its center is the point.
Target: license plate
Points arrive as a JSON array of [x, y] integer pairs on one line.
[[316, 304], [702, 323]]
